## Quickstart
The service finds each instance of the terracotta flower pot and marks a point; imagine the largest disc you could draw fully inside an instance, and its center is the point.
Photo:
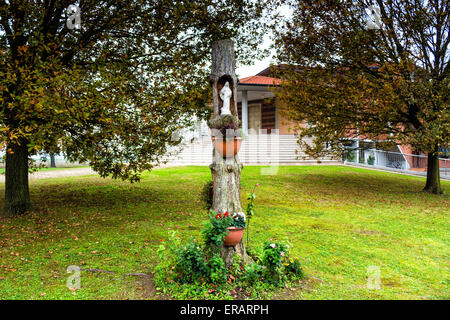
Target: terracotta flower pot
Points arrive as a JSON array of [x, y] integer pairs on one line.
[[227, 148], [234, 237]]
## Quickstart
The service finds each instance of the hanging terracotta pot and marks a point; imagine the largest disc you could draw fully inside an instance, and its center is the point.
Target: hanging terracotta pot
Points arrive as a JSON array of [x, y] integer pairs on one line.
[[234, 237], [227, 147]]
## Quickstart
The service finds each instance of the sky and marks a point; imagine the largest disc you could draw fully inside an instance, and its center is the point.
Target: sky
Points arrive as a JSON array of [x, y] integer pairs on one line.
[[259, 65]]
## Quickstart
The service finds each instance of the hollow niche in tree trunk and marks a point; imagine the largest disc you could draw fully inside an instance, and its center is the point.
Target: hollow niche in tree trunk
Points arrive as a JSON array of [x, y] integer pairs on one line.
[[226, 171]]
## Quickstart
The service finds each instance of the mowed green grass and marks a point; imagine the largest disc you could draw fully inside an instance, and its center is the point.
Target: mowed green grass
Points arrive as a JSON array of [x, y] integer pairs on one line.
[[341, 220]]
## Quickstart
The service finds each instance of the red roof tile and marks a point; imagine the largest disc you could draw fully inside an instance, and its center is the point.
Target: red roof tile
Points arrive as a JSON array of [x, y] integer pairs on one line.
[[261, 80]]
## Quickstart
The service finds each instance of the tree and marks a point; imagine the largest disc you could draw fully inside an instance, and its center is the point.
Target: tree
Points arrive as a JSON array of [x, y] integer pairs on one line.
[[111, 84], [225, 171], [375, 70], [52, 160]]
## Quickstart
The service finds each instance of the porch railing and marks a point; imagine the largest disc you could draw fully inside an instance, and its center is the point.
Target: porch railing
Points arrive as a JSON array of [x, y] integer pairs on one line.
[[411, 163]]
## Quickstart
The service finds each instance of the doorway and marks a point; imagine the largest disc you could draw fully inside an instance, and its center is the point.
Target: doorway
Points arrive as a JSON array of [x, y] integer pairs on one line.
[[254, 118]]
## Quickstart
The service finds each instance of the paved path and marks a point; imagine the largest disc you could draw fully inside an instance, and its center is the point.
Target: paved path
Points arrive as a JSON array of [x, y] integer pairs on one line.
[[69, 172], [66, 172], [73, 172]]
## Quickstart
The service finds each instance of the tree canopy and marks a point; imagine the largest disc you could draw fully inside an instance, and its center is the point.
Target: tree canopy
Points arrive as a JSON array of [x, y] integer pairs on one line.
[[113, 91], [373, 69]]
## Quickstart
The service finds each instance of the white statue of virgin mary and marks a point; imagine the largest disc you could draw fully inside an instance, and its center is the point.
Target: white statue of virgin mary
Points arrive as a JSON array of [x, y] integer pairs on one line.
[[225, 95]]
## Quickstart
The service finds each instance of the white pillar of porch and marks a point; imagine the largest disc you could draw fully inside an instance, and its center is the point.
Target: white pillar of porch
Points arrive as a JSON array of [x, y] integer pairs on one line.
[[357, 146], [244, 111], [276, 114]]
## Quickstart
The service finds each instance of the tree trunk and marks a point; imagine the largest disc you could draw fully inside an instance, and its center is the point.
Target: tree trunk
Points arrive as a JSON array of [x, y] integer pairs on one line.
[[226, 172], [433, 184], [17, 196], [226, 175], [52, 160]]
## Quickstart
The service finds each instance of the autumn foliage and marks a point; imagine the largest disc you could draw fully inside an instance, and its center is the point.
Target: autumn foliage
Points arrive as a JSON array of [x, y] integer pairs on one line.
[[112, 92], [347, 76]]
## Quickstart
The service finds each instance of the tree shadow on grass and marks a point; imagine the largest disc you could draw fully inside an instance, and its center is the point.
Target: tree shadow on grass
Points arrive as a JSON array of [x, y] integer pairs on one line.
[[104, 194], [87, 205]]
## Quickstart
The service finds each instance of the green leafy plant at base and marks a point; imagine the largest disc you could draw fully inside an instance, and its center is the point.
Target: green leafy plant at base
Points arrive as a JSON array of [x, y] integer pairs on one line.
[[193, 271], [166, 253], [190, 263], [250, 209], [218, 271], [253, 273], [293, 267], [274, 253], [371, 160]]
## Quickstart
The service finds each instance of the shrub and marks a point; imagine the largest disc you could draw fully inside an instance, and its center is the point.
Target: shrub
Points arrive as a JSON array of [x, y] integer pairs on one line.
[[190, 270], [350, 155], [272, 259], [293, 267], [371, 160], [250, 209], [166, 253], [253, 273], [218, 271], [190, 263]]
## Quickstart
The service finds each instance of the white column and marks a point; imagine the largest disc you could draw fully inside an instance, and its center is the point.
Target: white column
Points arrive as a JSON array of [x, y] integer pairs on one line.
[[357, 146], [276, 116], [244, 105]]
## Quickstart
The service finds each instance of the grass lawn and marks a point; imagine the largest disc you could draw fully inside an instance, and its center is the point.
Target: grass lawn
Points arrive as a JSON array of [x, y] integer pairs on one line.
[[340, 219]]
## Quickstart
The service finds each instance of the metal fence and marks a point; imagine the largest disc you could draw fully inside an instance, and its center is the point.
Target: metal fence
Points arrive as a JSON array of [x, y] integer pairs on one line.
[[411, 163]]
